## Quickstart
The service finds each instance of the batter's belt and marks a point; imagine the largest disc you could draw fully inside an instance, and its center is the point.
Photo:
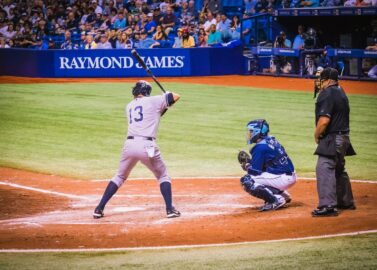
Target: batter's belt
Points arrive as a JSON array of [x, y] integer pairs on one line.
[[145, 138]]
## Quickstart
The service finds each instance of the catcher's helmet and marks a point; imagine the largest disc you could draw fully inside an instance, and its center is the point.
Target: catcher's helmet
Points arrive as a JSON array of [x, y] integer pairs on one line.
[[142, 88], [257, 129]]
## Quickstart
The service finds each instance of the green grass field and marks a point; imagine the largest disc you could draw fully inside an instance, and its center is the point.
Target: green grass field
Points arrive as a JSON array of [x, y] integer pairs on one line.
[[352, 252], [78, 130]]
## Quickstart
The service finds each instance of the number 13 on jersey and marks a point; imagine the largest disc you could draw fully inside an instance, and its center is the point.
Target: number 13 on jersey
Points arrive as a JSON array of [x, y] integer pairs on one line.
[[135, 114]]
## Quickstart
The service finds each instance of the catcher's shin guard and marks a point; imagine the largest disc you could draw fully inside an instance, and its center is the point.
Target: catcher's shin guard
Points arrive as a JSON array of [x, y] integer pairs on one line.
[[257, 190]]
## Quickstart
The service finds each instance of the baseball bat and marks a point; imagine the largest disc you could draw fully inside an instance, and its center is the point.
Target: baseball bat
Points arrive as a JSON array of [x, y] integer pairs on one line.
[[144, 66]]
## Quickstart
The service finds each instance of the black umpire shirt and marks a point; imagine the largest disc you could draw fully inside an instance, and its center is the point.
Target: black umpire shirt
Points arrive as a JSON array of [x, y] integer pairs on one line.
[[333, 103]]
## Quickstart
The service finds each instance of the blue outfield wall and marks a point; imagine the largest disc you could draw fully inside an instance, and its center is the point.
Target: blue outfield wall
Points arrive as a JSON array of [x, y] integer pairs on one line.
[[120, 63]]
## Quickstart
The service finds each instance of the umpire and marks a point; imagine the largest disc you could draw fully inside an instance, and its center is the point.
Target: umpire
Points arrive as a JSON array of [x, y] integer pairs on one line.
[[332, 136]]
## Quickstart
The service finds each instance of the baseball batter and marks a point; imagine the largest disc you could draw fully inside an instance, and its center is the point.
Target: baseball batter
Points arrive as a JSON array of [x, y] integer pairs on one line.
[[270, 171], [143, 114]]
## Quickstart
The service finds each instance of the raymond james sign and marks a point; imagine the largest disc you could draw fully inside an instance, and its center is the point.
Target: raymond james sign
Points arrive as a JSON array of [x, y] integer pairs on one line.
[[114, 63], [121, 62]]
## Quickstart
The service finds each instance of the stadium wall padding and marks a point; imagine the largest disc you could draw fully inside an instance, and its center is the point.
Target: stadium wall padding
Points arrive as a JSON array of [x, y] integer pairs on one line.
[[120, 63]]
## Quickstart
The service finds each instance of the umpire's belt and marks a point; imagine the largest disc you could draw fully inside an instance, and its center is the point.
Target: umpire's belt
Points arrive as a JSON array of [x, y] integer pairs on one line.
[[346, 132], [145, 138]]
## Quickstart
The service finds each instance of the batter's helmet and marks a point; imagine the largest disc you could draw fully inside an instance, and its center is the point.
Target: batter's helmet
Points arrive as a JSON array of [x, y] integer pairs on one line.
[[142, 88], [258, 128]]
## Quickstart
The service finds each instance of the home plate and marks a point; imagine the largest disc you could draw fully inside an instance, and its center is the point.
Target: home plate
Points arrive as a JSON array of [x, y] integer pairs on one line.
[[127, 209]]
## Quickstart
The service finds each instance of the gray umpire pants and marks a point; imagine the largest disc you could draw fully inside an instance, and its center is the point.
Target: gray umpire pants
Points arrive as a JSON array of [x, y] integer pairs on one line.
[[333, 183]]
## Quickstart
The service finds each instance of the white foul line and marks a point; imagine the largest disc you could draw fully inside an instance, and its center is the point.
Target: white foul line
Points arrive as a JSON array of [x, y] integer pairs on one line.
[[44, 191], [185, 246]]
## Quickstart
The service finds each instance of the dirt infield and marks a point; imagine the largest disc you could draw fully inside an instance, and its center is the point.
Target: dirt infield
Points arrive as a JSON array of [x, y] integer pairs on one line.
[[213, 211], [351, 87]]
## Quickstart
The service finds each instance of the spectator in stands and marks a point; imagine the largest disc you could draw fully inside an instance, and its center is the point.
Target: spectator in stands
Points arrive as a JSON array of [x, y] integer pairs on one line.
[[372, 73], [159, 37], [124, 42], [309, 3], [168, 20], [178, 39], [104, 43], [90, 43], [331, 3], [8, 31], [187, 40], [246, 29], [186, 16], [192, 10], [202, 39], [96, 7], [261, 6], [164, 6], [131, 6], [210, 20], [145, 9], [324, 60], [67, 44], [82, 42], [250, 6], [3, 43], [280, 63], [91, 18], [215, 6], [299, 41], [214, 36], [120, 22], [224, 27], [106, 22], [71, 22], [157, 15], [155, 4], [150, 26], [287, 42], [144, 41]]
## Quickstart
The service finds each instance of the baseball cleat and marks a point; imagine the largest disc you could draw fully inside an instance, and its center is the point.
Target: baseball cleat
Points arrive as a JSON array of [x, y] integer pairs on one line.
[[347, 207], [98, 213], [325, 212], [280, 202], [286, 196], [173, 213]]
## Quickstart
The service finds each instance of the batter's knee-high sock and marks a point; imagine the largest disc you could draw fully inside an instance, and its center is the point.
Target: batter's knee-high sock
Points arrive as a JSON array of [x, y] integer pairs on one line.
[[165, 188], [109, 192]]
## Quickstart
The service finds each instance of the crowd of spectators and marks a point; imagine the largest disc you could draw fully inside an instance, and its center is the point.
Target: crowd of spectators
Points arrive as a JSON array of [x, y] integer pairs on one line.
[[125, 24]]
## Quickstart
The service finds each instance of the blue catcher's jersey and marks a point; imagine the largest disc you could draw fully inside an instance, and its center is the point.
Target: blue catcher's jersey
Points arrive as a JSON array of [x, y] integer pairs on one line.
[[269, 155]]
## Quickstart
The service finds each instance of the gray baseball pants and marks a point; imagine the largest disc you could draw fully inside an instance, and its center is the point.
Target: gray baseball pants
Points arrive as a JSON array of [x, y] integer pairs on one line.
[[333, 183]]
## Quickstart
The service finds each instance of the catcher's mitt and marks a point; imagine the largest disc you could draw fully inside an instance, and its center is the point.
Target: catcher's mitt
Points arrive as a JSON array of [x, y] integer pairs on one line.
[[244, 160]]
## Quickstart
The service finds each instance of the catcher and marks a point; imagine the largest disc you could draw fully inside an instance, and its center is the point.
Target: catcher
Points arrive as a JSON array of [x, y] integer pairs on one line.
[[270, 172]]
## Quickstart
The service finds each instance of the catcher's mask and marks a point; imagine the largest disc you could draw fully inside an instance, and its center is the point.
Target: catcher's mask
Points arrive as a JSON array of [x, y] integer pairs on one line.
[[142, 88], [257, 129]]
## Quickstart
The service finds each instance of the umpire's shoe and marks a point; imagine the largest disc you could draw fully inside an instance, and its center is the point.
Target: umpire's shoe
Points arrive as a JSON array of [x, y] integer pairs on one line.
[[98, 213], [326, 211], [172, 213]]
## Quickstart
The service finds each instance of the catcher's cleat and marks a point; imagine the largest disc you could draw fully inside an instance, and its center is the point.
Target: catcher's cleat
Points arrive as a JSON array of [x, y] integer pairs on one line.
[[325, 212], [98, 213], [286, 196], [173, 213], [280, 202]]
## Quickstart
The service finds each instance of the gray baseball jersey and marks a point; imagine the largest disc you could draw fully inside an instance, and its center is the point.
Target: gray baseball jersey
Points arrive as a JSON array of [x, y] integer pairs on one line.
[[143, 116]]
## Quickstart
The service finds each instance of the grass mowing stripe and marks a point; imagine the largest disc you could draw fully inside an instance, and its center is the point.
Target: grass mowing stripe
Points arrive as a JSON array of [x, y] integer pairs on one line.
[[78, 129]]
